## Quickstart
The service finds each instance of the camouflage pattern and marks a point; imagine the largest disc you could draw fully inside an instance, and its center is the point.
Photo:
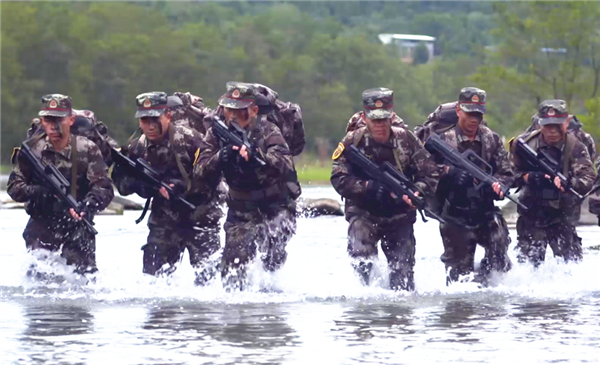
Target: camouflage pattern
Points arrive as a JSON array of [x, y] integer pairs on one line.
[[552, 112], [191, 113], [249, 218], [239, 95], [358, 121], [460, 245], [151, 104], [56, 105], [532, 241], [370, 222], [551, 220], [472, 100], [378, 103], [471, 216], [575, 127], [594, 202], [51, 225], [173, 227]]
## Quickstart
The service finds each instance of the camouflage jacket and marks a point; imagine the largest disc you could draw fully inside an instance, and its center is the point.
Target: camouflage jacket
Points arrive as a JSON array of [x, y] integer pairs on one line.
[[275, 176], [594, 202], [470, 206], [179, 141], [414, 160], [358, 121], [192, 113], [580, 174], [575, 127], [93, 184]]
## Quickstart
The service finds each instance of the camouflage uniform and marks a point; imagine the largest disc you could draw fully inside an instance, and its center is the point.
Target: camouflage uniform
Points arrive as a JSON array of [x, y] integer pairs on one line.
[[50, 225], [261, 202], [470, 214], [594, 202], [372, 220], [552, 215], [173, 226], [191, 111]]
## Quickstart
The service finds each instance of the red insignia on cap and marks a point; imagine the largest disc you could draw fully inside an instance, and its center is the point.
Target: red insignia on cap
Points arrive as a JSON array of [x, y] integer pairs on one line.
[[551, 112], [147, 103], [475, 99], [53, 104], [378, 104], [235, 94]]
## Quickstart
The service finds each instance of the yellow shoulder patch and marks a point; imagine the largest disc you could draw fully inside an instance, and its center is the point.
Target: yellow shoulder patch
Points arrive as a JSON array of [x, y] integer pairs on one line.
[[13, 157], [338, 151], [510, 141], [197, 154]]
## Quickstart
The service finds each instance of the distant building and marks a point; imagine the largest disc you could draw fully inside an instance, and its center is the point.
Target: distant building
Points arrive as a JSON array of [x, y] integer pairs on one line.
[[407, 43]]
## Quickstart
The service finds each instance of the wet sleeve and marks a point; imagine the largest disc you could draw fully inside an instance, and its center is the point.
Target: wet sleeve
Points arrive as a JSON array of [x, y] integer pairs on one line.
[[19, 186], [101, 191], [427, 172], [582, 170], [208, 163], [343, 179], [126, 184], [278, 154], [504, 173]]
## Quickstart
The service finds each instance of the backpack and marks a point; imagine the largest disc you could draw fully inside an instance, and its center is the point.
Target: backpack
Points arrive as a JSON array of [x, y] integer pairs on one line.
[[285, 115], [442, 119], [191, 113]]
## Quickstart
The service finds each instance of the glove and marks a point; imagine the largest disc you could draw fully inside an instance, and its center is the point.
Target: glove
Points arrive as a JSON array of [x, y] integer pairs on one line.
[[228, 154], [90, 208], [377, 191], [143, 190], [460, 177], [537, 179]]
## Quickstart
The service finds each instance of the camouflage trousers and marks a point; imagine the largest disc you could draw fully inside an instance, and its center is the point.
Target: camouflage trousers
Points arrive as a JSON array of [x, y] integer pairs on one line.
[[266, 231], [560, 236], [460, 243], [167, 243], [398, 245], [78, 244]]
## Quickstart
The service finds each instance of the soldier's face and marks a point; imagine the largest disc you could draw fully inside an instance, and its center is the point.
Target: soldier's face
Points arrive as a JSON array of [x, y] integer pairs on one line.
[[241, 116], [469, 122], [57, 128], [554, 133], [380, 129]]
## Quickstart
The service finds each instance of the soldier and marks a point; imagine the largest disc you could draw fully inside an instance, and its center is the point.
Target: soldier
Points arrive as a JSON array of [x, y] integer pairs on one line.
[[470, 214], [553, 211], [52, 225], [261, 199], [370, 209], [358, 120], [443, 118], [171, 150]]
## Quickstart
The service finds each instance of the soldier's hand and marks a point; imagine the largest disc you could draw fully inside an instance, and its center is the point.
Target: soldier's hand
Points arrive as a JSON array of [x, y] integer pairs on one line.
[[408, 201], [243, 152], [498, 189], [557, 183], [164, 191], [536, 178], [76, 216], [227, 154]]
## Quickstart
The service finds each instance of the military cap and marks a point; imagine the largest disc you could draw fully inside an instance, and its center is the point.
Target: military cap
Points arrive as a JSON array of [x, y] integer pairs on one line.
[[553, 112], [472, 100], [56, 105], [151, 104], [239, 95], [378, 103]]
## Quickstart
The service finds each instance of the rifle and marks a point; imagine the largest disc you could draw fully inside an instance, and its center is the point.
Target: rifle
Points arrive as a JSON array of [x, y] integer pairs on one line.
[[139, 169], [536, 160], [435, 145], [50, 177], [221, 130], [393, 179]]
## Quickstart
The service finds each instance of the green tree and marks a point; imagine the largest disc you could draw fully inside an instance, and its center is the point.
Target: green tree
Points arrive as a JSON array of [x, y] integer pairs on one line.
[[421, 54]]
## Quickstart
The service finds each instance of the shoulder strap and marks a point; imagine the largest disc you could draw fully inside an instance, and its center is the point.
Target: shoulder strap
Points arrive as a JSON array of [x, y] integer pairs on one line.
[[570, 143], [397, 158], [184, 174], [358, 137], [532, 135], [74, 166]]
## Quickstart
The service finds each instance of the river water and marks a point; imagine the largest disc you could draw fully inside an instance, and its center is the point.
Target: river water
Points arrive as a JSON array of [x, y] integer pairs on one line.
[[314, 310]]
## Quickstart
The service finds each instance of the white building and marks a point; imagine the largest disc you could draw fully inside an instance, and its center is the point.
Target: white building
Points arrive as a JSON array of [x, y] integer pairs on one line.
[[406, 44]]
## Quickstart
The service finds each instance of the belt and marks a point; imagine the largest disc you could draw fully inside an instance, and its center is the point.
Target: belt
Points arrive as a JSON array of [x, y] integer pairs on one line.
[[254, 195]]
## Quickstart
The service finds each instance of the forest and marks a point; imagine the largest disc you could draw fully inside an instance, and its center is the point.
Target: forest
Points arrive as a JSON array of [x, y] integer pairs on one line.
[[321, 55]]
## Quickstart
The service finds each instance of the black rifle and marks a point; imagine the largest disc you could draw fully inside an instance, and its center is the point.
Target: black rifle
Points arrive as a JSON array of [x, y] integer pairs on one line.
[[238, 138], [49, 176], [393, 179], [548, 167], [140, 170], [436, 146]]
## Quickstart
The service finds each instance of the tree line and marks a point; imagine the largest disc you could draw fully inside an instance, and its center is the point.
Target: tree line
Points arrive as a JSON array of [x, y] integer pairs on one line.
[[319, 54]]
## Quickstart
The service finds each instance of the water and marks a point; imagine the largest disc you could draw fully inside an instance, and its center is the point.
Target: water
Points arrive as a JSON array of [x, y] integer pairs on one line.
[[315, 310]]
